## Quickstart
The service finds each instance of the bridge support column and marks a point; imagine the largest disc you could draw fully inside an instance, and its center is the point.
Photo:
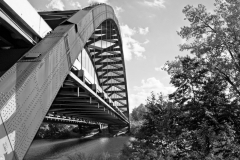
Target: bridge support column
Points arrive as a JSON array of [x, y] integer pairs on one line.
[[103, 96], [81, 75], [100, 129], [111, 104], [94, 87], [81, 129], [109, 128]]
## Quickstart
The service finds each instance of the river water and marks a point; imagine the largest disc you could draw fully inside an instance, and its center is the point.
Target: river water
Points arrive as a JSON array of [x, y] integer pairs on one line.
[[60, 149]]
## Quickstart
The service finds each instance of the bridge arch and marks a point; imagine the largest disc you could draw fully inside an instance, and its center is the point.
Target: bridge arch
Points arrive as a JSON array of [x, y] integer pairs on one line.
[[30, 86], [108, 60]]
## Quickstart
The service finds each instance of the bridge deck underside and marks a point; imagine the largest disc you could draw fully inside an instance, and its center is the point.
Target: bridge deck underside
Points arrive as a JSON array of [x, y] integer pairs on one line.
[[75, 102]]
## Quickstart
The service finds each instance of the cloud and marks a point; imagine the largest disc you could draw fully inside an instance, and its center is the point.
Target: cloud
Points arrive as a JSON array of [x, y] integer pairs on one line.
[[152, 16], [136, 99], [159, 68], [74, 4], [99, 1], [155, 3], [153, 85], [56, 4], [143, 31], [63, 5], [130, 45], [118, 10], [142, 92], [146, 41]]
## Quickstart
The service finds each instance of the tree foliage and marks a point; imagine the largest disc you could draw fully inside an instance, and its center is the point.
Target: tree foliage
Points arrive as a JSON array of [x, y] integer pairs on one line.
[[138, 113], [55, 130], [198, 121], [205, 110], [214, 38], [136, 118], [201, 119]]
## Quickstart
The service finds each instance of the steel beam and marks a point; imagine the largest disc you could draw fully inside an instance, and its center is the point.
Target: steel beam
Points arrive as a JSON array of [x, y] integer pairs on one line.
[[24, 16]]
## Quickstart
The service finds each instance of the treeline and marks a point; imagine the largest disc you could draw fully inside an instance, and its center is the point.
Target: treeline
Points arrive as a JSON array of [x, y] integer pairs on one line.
[[201, 119], [57, 131]]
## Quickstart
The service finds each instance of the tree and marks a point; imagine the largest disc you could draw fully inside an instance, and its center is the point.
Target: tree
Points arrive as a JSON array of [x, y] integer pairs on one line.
[[138, 113], [201, 119], [206, 113], [198, 121], [214, 38], [54, 130], [136, 118], [151, 140]]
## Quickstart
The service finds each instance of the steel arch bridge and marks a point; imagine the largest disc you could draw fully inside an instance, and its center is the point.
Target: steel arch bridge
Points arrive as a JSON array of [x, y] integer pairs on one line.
[[47, 79]]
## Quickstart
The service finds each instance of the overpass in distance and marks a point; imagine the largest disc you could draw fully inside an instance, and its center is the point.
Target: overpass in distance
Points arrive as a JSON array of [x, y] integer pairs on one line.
[[58, 66]]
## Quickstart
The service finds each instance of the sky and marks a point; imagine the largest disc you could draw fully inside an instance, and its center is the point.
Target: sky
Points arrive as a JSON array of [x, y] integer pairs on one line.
[[149, 33]]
